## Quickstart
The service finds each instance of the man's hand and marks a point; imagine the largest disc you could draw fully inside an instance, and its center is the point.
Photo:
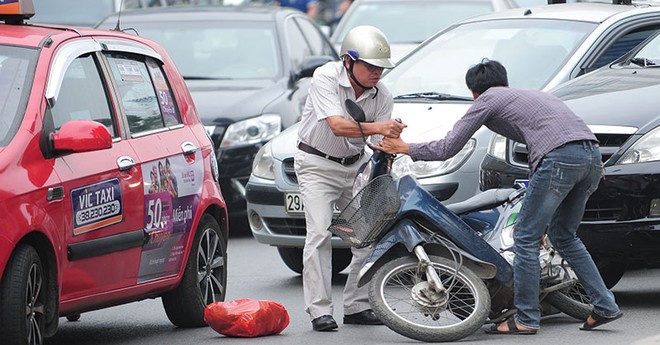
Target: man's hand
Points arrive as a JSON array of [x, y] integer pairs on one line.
[[392, 128], [392, 146]]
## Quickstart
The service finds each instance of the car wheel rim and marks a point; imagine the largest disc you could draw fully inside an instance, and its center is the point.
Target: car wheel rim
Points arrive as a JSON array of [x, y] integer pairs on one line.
[[211, 263], [34, 305]]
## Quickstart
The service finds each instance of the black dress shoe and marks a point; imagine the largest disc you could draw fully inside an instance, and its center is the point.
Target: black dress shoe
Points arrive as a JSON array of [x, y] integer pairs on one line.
[[324, 323], [366, 317]]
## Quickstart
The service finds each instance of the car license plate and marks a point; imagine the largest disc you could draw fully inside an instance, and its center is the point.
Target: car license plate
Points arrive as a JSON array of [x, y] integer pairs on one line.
[[293, 203]]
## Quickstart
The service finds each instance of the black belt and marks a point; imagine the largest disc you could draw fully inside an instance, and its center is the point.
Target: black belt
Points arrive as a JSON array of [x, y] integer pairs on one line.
[[586, 142], [343, 161]]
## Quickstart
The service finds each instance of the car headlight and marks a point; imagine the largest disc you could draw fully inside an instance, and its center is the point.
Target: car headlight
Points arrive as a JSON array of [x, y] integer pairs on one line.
[[646, 149], [263, 165], [497, 147], [214, 165], [251, 131], [405, 165]]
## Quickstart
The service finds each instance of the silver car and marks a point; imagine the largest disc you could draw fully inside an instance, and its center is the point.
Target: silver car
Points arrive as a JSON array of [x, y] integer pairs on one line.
[[407, 23], [540, 46]]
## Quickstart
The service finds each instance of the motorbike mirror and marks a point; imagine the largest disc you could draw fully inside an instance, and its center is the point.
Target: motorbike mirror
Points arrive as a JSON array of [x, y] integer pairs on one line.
[[355, 111]]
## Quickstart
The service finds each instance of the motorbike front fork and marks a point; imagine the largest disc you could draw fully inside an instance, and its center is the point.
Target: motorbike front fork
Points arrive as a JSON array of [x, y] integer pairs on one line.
[[427, 266]]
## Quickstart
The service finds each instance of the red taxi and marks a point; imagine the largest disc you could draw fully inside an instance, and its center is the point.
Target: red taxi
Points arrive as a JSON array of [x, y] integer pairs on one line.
[[109, 188]]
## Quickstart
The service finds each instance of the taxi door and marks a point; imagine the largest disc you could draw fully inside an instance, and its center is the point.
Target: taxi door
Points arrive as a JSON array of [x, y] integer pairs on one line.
[[103, 188], [170, 161]]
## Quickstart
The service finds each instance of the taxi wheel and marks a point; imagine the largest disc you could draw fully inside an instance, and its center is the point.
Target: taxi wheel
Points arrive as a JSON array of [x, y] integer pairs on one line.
[[204, 280], [22, 297]]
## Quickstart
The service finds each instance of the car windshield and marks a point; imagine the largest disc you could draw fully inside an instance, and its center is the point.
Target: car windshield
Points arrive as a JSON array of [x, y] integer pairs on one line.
[[218, 49], [532, 51], [410, 21], [71, 12], [650, 54], [16, 70]]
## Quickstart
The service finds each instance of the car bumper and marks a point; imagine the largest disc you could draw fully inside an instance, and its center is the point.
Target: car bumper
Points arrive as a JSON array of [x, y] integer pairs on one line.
[[235, 166], [270, 223], [496, 173], [622, 218]]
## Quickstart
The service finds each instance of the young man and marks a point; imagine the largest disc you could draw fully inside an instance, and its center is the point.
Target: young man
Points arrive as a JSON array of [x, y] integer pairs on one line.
[[565, 166], [331, 150]]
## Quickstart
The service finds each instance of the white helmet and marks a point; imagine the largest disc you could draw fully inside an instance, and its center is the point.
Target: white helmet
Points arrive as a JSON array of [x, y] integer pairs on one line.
[[369, 44]]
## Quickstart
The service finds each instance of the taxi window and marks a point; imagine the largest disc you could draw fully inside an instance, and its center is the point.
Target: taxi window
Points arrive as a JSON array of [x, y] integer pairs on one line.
[[146, 97], [83, 95]]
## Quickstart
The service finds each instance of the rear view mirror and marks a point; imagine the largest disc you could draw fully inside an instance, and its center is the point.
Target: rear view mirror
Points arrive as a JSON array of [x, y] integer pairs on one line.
[[311, 63], [81, 136], [355, 111]]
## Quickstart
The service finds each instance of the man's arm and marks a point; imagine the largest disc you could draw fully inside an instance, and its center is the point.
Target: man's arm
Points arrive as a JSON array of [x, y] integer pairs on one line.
[[343, 127]]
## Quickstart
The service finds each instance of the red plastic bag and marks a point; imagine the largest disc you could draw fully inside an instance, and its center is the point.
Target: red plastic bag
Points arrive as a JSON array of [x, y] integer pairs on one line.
[[246, 317]]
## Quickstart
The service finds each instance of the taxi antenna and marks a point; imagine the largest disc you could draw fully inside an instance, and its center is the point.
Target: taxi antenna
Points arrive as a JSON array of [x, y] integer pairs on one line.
[[121, 6]]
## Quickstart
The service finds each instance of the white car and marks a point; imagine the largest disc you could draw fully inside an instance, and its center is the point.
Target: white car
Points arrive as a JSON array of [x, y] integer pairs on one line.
[[407, 23], [540, 46]]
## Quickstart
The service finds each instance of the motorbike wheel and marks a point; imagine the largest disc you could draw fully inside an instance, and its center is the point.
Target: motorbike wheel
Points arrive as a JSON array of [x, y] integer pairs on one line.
[[572, 301], [390, 295]]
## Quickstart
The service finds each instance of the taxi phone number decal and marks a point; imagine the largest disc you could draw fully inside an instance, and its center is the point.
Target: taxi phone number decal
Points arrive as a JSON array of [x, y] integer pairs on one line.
[[96, 206]]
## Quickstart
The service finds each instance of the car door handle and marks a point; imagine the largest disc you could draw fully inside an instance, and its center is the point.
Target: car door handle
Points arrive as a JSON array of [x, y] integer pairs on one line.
[[125, 163], [188, 148]]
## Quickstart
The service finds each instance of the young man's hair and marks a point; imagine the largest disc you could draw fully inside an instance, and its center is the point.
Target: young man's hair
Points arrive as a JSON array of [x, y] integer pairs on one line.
[[486, 74]]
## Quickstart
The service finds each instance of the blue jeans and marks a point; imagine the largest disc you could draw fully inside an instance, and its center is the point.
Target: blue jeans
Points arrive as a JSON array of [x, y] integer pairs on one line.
[[555, 201]]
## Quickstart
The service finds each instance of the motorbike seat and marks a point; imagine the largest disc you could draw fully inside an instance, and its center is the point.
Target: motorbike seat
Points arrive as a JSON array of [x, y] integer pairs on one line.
[[482, 201]]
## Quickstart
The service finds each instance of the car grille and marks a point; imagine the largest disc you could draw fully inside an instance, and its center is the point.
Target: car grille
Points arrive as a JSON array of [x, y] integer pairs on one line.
[[597, 209], [286, 226], [609, 144], [289, 171]]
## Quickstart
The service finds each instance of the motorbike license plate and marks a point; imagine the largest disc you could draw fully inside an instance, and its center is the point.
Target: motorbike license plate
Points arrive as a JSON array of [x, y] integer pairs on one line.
[[521, 182], [293, 204]]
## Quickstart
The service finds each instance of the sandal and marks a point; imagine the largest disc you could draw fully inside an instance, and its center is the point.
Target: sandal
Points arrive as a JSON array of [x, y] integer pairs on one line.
[[513, 329], [600, 320]]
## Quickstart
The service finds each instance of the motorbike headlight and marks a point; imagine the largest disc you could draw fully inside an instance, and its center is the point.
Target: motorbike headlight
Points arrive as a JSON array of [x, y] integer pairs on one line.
[[252, 131], [646, 149], [420, 169], [263, 165], [497, 147]]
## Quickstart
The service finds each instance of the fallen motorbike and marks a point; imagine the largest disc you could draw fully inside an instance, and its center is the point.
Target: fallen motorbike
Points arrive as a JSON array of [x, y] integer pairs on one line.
[[439, 273]]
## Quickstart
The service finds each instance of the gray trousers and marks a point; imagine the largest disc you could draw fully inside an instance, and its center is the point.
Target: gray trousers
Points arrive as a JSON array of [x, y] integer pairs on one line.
[[322, 184]]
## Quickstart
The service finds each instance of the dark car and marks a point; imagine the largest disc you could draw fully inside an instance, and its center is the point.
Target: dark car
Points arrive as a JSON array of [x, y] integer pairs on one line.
[[248, 70], [620, 104]]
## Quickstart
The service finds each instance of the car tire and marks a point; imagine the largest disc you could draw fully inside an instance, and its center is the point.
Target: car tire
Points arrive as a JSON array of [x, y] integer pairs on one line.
[[23, 288], [611, 271], [204, 280], [292, 258]]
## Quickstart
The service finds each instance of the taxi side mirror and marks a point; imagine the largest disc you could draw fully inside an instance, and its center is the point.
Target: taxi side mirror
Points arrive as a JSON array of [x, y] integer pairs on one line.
[[81, 136]]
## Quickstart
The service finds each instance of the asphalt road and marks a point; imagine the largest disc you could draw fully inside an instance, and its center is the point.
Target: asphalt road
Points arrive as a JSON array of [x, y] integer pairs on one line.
[[255, 271]]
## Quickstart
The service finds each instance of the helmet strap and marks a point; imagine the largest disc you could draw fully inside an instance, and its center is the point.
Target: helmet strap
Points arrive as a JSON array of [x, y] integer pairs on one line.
[[351, 64]]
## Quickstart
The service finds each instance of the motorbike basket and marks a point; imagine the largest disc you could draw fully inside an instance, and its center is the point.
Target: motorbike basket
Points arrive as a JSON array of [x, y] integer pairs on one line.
[[363, 221]]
